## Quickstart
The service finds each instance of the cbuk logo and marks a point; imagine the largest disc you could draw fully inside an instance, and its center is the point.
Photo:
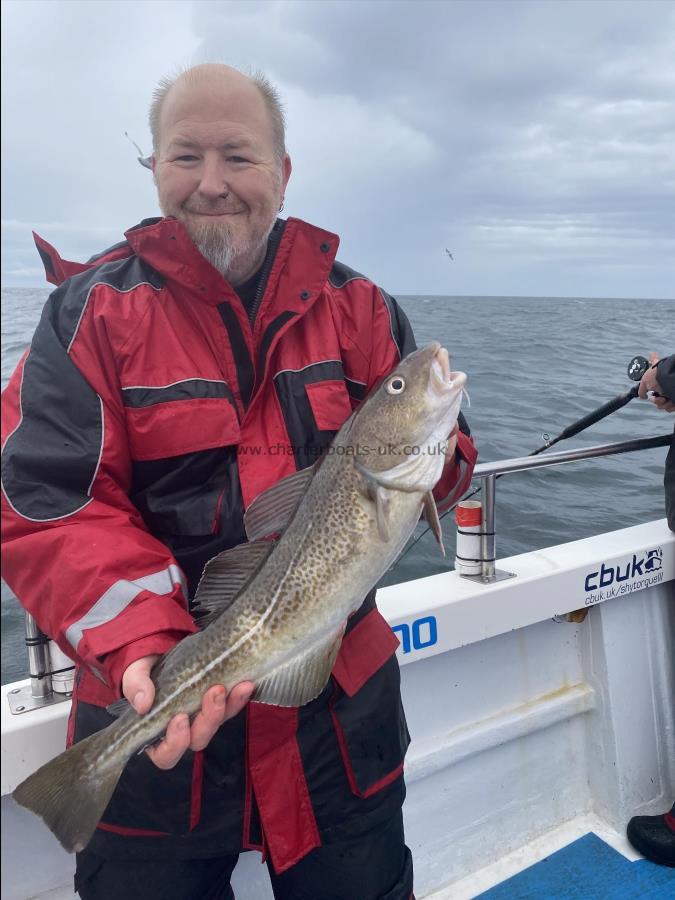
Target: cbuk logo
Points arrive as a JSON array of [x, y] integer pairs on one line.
[[652, 561], [422, 633]]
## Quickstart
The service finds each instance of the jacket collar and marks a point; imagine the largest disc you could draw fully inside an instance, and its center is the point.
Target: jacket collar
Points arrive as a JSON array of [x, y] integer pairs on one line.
[[300, 269]]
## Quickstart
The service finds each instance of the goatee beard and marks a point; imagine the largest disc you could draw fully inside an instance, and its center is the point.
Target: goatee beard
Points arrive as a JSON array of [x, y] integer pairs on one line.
[[235, 260]]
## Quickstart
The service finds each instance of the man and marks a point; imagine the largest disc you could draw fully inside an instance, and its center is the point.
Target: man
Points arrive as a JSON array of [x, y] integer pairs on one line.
[[170, 381], [654, 836], [658, 384]]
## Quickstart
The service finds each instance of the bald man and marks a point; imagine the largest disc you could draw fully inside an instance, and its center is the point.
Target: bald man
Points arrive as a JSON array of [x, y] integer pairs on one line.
[[173, 378]]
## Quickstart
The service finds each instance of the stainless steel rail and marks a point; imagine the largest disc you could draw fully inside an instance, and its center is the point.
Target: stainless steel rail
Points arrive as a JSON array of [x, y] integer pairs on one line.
[[489, 472]]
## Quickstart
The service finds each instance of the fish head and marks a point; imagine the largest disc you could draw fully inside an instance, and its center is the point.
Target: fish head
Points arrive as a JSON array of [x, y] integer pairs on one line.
[[400, 434]]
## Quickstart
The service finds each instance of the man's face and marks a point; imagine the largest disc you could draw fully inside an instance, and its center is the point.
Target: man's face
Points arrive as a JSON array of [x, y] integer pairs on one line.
[[216, 171]]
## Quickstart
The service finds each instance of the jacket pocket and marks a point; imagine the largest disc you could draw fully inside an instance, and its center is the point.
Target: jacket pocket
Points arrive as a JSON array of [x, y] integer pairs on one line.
[[314, 402], [148, 802], [330, 404], [366, 707], [175, 427]]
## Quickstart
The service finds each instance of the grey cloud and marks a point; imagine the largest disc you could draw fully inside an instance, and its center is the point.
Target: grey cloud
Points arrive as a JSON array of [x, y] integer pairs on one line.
[[535, 138]]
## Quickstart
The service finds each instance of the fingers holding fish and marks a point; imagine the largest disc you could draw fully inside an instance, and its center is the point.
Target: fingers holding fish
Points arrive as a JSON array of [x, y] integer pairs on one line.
[[176, 741], [137, 686], [217, 707]]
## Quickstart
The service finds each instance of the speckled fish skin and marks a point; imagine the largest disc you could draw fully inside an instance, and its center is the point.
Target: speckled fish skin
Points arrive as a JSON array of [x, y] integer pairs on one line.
[[283, 630]]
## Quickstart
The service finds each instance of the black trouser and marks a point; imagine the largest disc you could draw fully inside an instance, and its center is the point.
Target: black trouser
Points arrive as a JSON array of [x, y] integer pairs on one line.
[[376, 866]]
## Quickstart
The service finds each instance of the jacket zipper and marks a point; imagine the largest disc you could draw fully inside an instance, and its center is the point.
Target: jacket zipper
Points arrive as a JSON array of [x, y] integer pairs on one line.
[[275, 238]]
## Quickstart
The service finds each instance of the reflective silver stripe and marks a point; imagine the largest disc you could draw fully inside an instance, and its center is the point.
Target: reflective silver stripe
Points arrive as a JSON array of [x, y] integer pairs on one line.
[[310, 366], [119, 596]]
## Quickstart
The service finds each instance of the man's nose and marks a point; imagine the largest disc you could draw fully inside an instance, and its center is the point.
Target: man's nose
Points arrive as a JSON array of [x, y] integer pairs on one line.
[[213, 180]]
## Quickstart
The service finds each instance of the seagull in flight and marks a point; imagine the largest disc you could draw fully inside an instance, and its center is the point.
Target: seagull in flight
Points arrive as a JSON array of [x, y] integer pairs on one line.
[[450, 254]]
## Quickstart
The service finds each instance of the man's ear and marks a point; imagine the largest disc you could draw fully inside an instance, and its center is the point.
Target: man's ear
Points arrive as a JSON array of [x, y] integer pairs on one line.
[[286, 169]]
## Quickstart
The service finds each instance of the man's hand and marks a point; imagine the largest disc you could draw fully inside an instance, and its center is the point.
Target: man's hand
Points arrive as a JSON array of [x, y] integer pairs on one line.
[[217, 707], [648, 382]]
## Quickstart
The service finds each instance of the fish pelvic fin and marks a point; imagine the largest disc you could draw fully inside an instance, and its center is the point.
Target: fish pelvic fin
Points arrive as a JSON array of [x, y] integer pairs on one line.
[[70, 793], [303, 677]]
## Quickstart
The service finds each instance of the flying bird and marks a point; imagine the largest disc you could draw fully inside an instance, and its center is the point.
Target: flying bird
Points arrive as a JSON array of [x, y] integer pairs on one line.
[[449, 254], [145, 161]]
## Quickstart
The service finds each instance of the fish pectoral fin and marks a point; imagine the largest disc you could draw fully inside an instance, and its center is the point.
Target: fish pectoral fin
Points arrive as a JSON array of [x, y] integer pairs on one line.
[[380, 497], [303, 677], [430, 513], [382, 512], [273, 509], [225, 576]]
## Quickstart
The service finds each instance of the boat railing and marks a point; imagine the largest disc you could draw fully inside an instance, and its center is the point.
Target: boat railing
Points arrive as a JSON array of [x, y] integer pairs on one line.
[[51, 672], [488, 473]]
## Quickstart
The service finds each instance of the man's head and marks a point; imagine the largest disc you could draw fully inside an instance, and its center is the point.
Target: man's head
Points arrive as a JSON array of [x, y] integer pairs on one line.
[[220, 163]]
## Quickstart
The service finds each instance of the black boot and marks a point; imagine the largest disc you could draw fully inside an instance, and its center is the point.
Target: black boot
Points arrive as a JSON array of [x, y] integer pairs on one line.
[[654, 837]]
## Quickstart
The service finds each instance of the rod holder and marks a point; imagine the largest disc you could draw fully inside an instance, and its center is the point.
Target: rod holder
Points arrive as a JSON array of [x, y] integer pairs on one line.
[[39, 668]]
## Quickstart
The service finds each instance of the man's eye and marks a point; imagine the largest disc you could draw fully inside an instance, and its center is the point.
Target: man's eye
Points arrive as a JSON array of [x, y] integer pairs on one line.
[[237, 159], [185, 158]]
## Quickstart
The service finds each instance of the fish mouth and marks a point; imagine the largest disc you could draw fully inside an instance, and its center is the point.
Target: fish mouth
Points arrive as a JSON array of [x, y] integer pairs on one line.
[[443, 377]]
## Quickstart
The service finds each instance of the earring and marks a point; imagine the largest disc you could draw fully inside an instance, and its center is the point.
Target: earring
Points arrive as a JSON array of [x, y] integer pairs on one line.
[[281, 205]]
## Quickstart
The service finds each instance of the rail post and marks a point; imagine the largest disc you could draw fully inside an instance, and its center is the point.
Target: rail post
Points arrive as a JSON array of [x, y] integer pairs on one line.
[[39, 666]]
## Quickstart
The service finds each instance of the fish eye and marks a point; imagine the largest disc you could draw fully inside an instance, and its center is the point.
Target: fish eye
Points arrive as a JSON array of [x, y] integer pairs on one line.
[[395, 385]]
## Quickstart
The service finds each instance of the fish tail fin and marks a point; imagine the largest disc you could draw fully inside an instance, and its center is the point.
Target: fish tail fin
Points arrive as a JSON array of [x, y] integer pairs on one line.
[[71, 791]]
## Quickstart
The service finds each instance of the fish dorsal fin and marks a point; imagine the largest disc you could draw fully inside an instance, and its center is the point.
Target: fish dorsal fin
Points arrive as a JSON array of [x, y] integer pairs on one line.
[[273, 509], [304, 677], [225, 576], [431, 515]]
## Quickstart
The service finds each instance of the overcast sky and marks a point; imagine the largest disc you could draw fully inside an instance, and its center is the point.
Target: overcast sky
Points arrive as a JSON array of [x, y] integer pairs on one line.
[[535, 140]]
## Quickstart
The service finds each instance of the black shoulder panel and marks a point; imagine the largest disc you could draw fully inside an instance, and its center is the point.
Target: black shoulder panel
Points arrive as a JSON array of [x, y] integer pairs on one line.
[[401, 330], [340, 274], [51, 458]]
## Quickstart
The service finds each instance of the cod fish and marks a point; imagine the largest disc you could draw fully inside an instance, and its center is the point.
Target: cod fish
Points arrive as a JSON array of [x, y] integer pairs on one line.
[[274, 611]]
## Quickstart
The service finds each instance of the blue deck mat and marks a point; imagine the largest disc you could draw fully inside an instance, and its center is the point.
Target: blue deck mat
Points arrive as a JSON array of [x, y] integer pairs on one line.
[[587, 869]]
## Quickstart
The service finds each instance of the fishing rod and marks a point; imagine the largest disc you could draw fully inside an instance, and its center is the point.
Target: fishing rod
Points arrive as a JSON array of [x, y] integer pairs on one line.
[[636, 369]]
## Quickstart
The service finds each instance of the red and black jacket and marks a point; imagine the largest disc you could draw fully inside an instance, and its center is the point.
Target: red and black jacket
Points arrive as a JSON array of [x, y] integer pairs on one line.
[[147, 414]]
